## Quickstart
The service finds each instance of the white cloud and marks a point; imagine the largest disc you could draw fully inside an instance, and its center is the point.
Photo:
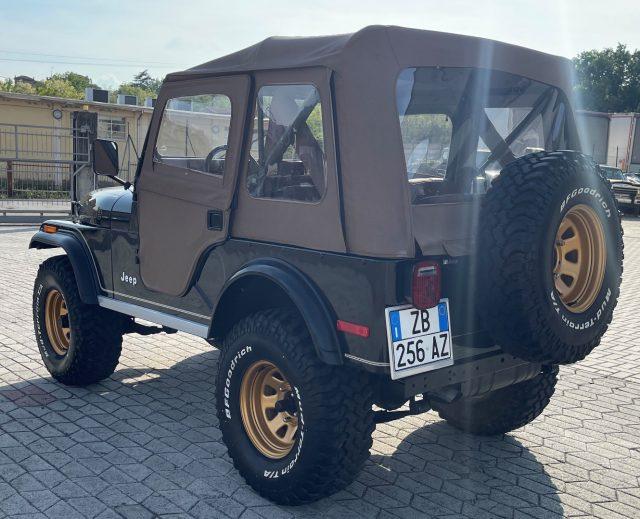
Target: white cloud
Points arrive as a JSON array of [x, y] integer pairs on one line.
[[108, 81]]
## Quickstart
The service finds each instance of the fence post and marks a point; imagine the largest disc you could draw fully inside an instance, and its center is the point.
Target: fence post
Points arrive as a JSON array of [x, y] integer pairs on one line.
[[15, 139], [9, 178]]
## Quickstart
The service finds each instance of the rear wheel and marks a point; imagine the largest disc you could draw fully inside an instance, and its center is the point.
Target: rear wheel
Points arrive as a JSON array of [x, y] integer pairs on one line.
[[80, 344], [503, 410], [297, 429]]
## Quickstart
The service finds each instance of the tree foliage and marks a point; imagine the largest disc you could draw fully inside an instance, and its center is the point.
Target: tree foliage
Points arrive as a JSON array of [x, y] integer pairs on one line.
[[144, 81], [56, 87], [71, 85], [77, 81], [608, 80], [19, 88]]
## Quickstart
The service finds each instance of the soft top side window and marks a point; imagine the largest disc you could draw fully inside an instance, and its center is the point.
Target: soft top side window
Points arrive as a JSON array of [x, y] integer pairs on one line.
[[287, 158], [194, 133]]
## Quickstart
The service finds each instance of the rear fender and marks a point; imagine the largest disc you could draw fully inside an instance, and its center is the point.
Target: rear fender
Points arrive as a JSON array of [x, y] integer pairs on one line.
[[300, 292]]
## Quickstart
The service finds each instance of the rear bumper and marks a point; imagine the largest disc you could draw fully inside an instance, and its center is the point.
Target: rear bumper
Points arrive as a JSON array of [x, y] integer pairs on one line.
[[474, 372]]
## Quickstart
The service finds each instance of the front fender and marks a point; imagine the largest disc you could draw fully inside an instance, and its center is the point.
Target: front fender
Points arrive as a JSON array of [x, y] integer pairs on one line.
[[80, 258], [304, 295]]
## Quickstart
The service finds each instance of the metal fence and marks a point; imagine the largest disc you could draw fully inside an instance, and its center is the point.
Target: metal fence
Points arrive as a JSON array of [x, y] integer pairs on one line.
[[22, 142], [40, 162]]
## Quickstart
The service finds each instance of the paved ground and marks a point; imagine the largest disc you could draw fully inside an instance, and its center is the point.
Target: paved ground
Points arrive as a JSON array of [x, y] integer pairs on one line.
[[145, 443]]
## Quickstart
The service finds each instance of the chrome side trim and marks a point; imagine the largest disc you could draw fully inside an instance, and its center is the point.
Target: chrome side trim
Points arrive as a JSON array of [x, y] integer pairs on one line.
[[171, 321], [365, 361], [157, 304]]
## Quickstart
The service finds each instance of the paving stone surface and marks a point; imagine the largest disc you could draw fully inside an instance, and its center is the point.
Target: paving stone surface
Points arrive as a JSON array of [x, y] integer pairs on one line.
[[145, 443]]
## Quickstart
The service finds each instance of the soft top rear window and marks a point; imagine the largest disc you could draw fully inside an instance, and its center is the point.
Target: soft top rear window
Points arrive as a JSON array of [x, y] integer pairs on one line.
[[461, 126]]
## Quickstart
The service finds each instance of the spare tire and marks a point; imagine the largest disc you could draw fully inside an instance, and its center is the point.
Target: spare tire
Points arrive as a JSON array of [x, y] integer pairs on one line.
[[549, 257]]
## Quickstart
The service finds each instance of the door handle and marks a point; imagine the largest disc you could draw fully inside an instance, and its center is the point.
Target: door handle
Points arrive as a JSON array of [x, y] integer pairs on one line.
[[215, 220]]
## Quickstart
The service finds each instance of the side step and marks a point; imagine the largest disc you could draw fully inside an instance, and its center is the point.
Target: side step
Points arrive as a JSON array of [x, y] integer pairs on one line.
[[165, 320]]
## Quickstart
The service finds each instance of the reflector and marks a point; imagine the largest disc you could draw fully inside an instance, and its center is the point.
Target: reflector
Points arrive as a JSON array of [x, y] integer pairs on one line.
[[353, 328], [49, 229]]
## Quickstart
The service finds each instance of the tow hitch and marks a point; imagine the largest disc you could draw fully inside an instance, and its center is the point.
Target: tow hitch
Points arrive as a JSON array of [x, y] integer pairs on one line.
[[415, 407]]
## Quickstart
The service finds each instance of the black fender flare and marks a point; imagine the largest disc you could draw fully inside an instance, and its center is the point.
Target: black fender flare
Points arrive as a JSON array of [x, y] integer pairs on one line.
[[80, 258], [305, 296]]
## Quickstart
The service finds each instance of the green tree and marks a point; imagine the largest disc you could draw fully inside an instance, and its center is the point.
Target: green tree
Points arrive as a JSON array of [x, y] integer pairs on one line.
[[608, 80], [58, 88], [17, 88], [24, 88], [144, 81], [131, 90], [78, 81]]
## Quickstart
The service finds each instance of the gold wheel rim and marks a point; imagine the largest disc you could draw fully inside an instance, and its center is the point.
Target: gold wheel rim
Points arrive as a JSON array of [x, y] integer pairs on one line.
[[264, 392], [580, 258], [57, 322]]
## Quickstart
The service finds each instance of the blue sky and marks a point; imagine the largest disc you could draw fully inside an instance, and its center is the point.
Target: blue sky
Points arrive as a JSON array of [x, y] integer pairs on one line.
[[110, 40]]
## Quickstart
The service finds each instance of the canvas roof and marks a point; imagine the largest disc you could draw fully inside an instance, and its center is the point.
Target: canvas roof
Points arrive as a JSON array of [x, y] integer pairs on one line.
[[379, 219], [399, 46]]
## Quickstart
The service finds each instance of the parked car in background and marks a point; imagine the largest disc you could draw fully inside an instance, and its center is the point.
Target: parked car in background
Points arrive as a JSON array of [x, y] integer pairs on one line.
[[634, 178], [625, 189]]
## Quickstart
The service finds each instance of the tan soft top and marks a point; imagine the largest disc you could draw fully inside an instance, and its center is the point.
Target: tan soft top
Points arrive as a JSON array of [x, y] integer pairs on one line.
[[364, 67], [404, 48]]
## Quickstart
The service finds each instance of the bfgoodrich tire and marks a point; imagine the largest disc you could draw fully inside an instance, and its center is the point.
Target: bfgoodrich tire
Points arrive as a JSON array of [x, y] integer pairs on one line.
[[314, 441], [503, 410], [550, 257], [80, 344]]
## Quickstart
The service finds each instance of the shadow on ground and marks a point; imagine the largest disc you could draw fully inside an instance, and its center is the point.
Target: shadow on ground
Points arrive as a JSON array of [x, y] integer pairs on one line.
[[146, 442]]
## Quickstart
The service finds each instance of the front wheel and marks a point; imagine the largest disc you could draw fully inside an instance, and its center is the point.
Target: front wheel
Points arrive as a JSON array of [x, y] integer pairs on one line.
[[502, 410], [80, 344], [296, 429]]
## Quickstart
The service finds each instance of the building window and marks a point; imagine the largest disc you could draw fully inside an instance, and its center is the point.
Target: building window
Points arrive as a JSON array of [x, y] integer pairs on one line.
[[287, 153], [112, 128]]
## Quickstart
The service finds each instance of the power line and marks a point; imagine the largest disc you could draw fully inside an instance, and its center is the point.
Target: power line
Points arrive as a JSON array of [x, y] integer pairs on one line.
[[87, 57], [112, 65]]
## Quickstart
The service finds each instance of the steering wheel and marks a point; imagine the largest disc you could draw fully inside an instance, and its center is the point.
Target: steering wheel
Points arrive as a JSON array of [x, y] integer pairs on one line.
[[212, 154]]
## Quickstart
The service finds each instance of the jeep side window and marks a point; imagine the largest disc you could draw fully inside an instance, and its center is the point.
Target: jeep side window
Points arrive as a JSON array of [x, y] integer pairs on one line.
[[194, 133], [287, 159]]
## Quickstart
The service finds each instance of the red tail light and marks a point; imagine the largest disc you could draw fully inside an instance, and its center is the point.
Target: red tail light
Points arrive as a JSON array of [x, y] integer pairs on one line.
[[425, 284]]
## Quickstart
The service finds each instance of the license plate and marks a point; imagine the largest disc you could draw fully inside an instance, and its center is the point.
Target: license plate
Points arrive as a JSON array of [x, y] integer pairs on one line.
[[419, 340]]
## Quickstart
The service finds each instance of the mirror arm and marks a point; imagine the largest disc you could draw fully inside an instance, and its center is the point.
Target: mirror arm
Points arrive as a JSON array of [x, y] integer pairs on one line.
[[125, 183]]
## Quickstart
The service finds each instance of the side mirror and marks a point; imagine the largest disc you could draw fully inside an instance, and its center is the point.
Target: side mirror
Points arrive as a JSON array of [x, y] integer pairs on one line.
[[105, 158]]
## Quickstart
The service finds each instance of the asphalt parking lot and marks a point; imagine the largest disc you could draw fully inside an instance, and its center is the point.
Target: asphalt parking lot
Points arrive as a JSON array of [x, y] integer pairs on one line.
[[145, 443]]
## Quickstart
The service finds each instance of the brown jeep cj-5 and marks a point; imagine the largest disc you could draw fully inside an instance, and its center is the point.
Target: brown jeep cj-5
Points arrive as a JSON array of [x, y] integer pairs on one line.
[[375, 218]]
